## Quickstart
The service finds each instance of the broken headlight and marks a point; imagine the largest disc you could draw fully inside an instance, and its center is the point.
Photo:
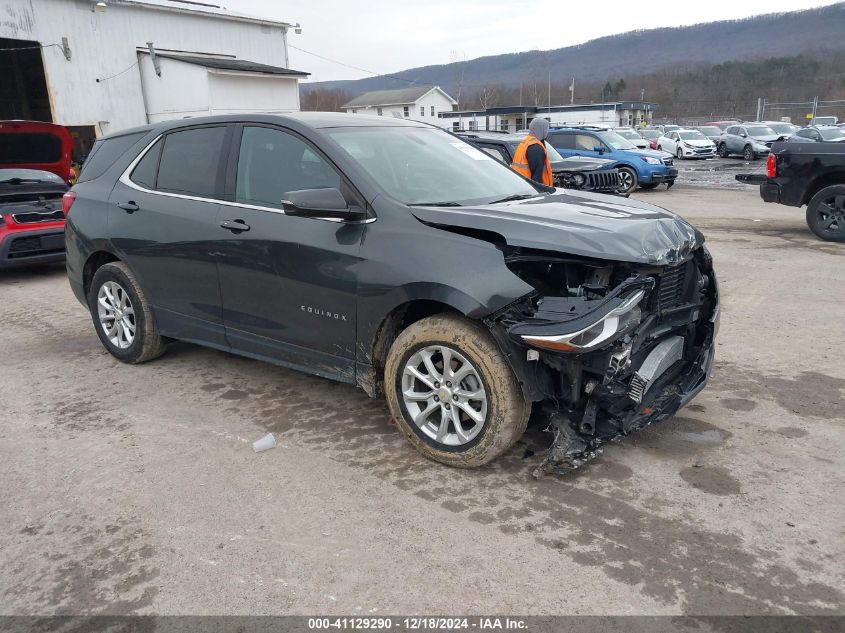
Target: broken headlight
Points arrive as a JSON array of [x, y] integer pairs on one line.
[[621, 319]]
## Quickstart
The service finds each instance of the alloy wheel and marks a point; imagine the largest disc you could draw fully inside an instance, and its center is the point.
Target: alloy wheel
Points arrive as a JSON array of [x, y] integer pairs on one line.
[[626, 180], [444, 395], [830, 216], [116, 314]]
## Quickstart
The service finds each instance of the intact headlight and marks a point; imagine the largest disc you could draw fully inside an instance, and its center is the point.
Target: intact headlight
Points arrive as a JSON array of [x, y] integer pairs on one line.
[[621, 319], [650, 160]]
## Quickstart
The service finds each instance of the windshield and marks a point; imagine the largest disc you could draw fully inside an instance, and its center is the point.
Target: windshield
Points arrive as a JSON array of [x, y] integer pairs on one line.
[[628, 134], [832, 133], [671, 128], [783, 128], [650, 134], [760, 130], [426, 166], [692, 135], [30, 175], [710, 130], [615, 141]]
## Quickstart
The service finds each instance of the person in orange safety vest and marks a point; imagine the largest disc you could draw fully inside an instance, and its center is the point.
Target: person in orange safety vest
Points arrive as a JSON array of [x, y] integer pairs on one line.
[[531, 159]]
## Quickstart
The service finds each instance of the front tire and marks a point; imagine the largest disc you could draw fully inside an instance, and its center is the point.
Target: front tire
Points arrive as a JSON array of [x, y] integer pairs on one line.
[[452, 392], [628, 178], [723, 151], [826, 213], [748, 153], [680, 154], [122, 316]]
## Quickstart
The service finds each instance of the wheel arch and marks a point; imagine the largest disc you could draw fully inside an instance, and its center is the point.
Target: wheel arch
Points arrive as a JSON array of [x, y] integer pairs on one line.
[[94, 262], [820, 182], [373, 349]]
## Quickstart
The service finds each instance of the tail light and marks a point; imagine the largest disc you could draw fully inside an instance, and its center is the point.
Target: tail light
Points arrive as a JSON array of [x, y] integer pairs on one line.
[[771, 166], [67, 202]]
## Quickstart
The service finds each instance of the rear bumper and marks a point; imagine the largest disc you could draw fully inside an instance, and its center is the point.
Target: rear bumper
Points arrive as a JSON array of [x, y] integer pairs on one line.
[[27, 248], [769, 191]]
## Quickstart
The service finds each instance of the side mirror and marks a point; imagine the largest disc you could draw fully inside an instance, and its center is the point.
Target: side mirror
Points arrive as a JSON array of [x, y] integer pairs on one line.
[[599, 149], [743, 135], [320, 203]]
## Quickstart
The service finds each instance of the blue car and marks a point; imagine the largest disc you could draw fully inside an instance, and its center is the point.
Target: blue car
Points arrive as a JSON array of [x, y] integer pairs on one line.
[[637, 167]]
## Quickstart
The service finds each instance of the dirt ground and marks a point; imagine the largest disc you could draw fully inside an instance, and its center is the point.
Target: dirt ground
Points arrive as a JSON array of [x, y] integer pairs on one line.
[[134, 489]]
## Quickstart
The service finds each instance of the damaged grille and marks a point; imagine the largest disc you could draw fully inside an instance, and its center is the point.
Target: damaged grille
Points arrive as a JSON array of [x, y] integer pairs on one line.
[[35, 217], [671, 286], [603, 180]]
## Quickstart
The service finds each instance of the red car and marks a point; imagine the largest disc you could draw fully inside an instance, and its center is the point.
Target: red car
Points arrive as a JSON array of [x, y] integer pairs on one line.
[[35, 168]]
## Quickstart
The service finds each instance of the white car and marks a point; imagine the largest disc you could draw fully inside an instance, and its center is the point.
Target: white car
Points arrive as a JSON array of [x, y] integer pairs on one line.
[[687, 144], [631, 135]]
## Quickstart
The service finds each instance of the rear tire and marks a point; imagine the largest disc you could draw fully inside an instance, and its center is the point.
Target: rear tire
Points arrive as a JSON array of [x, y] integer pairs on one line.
[[826, 214], [412, 378], [122, 316], [629, 179]]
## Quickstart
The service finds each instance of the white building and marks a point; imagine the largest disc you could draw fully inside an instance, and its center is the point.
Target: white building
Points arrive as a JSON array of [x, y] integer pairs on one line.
[[89, 64], [419, 103], [513, 118]]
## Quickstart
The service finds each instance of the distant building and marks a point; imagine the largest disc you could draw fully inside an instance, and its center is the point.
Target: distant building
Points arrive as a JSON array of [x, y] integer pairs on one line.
[[418, 103], [513, 118], [87, 65]]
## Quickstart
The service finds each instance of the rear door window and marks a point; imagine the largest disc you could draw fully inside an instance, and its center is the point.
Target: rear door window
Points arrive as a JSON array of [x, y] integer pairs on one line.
[[563, 141], [272, 162], [105, 153], [191, 162]]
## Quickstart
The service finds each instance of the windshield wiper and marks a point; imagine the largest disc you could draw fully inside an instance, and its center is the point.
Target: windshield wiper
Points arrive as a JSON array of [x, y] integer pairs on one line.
[[519, 196], [448, 203]]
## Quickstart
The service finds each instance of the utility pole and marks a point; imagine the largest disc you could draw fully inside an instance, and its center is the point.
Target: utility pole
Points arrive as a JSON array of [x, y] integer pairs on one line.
[[815, 107], [572, 92], [759, 108], [550, 89]]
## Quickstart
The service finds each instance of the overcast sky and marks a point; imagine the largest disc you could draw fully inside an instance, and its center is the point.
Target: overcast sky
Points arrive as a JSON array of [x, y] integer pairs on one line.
[[387, 36]]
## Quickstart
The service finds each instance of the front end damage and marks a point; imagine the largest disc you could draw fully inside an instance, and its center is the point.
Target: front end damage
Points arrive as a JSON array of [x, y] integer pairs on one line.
[[606, 348]]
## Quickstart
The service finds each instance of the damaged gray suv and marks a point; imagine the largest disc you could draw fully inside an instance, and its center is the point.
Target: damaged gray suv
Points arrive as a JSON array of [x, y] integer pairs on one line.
[[395, 256]]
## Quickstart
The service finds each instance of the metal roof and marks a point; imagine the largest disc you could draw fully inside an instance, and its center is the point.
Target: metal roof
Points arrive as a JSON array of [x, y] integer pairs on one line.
[[200, 8], [399, 96], [231, 63]]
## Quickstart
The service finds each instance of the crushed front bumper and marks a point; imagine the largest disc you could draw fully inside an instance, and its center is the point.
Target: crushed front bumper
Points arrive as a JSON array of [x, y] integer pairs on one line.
[[641, 375]]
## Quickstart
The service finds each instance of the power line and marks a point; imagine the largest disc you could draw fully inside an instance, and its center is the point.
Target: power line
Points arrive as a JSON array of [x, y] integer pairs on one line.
[[363, 70], [29, 48], [100, 80]]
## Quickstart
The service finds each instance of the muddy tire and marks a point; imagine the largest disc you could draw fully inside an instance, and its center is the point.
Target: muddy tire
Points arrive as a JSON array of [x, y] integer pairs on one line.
[[491, 412], [826, 214], [122, 316]]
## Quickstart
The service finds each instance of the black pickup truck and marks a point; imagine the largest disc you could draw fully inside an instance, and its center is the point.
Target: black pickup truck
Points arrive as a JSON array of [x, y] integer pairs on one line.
[[811, 174]]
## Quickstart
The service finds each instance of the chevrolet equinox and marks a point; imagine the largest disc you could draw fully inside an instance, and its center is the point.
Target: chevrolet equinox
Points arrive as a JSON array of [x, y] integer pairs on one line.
[[395, 256]]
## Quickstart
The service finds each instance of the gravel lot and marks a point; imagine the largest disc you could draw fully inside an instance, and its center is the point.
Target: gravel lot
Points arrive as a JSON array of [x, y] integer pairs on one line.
[[135, 489]]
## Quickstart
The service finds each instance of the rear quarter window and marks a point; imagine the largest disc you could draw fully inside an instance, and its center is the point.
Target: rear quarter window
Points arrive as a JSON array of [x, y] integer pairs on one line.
[[105, 153]]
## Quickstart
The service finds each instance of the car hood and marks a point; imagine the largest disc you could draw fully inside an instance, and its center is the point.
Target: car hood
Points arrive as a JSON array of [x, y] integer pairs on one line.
[[580, 163], [577, 223], [766, 139], [660, 155], [701, 142]]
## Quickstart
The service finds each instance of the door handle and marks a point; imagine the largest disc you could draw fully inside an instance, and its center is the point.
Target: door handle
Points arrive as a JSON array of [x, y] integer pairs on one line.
[[236, 226], [129, 207]]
